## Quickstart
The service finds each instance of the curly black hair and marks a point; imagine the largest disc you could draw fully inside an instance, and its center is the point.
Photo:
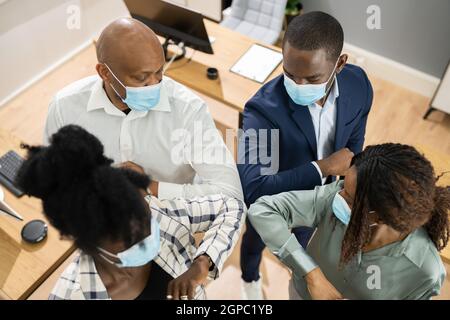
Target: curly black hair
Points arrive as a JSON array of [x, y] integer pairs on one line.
[[399, 184], [83, 196]]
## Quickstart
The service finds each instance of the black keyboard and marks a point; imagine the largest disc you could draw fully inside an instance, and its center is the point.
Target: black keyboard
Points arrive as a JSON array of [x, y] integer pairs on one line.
[[10, 164]]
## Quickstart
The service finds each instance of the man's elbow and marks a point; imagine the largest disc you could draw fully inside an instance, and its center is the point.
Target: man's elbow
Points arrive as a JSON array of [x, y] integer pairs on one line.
[[256, 213], [232, 191]]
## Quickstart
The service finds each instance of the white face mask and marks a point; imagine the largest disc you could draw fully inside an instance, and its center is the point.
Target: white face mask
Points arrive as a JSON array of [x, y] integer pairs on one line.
[[307, 94], [342, 210], [140, 254], [139, 98]]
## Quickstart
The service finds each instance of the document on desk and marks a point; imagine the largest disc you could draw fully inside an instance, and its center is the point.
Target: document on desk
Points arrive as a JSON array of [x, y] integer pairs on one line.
[[5, 209], [257, 63]]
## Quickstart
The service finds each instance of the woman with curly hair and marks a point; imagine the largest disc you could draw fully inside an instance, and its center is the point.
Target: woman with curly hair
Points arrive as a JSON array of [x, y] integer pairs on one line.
[[378, 233], [133, 246]]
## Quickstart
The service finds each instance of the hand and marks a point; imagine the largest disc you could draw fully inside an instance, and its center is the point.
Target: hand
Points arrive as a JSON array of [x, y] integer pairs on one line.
[[154, 185], [336, 164], [320, 288], [187, 283], [132, 166]]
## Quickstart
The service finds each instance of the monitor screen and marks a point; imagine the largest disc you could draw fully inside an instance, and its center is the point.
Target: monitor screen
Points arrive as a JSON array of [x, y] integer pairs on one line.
[[172, 21]]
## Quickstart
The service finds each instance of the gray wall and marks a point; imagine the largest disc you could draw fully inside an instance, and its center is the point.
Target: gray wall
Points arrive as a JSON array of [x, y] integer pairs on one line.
[[414, 32]]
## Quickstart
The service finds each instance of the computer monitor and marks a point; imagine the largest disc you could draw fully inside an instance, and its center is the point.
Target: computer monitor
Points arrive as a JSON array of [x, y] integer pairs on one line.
[[175, 23]]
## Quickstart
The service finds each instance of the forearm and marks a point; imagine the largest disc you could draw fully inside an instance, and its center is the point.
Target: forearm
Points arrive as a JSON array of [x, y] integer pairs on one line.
[[273, 217], [304, 177], [172, 190], [222, 234]]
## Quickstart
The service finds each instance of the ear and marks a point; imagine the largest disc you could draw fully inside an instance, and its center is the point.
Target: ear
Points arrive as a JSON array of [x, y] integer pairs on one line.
[[103, 72], [342, 62]]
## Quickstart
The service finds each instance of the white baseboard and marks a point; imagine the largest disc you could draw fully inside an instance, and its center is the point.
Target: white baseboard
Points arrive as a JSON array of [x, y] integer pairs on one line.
[[393, 71], [45, 72]]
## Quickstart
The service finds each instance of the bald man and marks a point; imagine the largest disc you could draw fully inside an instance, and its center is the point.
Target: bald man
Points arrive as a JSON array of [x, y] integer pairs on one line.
[[147, 121]]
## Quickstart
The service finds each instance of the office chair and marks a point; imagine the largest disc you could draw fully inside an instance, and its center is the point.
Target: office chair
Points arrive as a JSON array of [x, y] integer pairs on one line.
[[258, 19]]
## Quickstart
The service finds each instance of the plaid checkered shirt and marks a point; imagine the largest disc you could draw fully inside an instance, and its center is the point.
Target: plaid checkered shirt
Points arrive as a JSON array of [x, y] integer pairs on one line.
[[219, 217]]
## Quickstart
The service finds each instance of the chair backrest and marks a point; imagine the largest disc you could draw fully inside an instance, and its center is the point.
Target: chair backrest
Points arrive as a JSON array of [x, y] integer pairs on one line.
[[265, 13]]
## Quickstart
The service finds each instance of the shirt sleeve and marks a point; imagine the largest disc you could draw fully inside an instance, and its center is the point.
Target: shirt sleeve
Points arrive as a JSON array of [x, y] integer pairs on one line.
[[428, 286], [54, 121], [426, 291], [221, 218], [213, 163], [274, 216], [259, 163], [319, 171], [67, 286]]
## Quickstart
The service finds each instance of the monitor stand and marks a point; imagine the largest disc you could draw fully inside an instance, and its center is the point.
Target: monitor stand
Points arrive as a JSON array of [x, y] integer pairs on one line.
[[177, 57]]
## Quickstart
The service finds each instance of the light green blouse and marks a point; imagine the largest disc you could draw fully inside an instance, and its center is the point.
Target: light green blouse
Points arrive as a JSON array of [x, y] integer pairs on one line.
[[408, 269]]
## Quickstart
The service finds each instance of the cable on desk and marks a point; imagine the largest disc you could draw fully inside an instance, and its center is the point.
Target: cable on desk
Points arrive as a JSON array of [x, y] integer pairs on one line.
[[184, 64]]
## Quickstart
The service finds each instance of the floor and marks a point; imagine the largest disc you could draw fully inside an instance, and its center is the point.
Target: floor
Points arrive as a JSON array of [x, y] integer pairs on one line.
[[396, 117]]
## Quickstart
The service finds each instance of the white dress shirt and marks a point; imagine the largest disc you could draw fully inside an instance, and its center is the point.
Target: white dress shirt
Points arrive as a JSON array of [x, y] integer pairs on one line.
[[176, 143], [324, 121]]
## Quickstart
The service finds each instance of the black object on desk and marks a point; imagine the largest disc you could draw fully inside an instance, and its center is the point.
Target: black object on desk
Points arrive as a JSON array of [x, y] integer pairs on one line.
[[10, 164], [212, 73], [34, 231]]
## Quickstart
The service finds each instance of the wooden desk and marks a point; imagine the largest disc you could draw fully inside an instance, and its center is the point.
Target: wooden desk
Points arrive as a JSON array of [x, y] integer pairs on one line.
[[441, 163], [23, 267], [231, 89]]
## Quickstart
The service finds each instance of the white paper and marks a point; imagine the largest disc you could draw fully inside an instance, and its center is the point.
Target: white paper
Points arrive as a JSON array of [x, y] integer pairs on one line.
[[258, 63], [4, 206]]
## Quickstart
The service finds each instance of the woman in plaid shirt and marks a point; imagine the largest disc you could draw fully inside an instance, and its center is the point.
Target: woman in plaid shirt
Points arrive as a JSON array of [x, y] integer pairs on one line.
[[131, 244]]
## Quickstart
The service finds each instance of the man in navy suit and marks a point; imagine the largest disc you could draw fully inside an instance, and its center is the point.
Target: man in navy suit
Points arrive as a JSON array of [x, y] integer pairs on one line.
[[309, 122]]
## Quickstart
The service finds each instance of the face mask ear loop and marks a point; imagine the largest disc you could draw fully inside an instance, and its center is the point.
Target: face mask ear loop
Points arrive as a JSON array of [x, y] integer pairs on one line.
[[331, 76], [117, 79], [373, 224], [106, 259], [103, 253]]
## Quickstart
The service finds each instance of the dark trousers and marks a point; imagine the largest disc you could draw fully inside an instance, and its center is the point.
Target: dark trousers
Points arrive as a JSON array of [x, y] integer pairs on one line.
[[252, 247]]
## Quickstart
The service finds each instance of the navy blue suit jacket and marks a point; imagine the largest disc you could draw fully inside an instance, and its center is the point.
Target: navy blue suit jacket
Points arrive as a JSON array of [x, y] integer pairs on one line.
[[272, 108]]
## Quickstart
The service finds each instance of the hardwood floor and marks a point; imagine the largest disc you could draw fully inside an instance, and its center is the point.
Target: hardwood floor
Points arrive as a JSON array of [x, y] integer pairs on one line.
[[396, 116]]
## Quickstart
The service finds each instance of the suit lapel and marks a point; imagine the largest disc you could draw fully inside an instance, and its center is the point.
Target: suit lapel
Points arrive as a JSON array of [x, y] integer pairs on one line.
[[341, 119], [303, 119]]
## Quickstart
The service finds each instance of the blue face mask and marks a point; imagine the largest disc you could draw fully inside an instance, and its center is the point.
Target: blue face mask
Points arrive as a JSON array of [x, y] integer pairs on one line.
[[139, 98], [341, 209], [306, 94], [141, 253]]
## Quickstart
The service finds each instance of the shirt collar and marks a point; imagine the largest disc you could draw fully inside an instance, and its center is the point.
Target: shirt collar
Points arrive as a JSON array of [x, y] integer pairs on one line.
[[334, 93], [332, 96], [99, 100], [335, 89], [91, 285], [415, 247]]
